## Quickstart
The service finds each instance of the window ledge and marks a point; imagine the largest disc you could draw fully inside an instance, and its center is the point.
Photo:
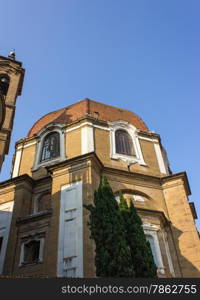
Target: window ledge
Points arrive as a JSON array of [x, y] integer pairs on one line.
[[24, 264], [48, 163], [128, 159]]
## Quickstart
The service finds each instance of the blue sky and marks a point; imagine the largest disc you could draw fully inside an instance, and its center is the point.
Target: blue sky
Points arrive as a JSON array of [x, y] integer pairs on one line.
[[140, 55]]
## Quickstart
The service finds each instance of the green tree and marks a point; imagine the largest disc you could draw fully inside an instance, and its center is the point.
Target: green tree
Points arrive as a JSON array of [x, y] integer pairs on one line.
[[141, 253], [113, 257]]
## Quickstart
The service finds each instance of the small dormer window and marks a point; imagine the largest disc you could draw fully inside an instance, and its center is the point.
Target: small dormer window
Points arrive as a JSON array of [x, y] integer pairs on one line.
[[51, 147], [4, 84], [124, 143]]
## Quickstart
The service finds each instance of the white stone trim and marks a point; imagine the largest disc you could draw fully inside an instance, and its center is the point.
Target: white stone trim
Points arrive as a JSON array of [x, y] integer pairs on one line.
[[87, 124], [135, 198], [78, 126], [5, 222], [26, 145], [133, 132], [71, 212], [147, 139], [87, 139], [101, 127], [150, 229], [160, 158], [17, 163], [139, 198], [169, 258]]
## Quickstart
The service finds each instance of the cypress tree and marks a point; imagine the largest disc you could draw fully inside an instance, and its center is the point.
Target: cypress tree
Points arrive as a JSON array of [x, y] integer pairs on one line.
[[140, 248], [113, 257]]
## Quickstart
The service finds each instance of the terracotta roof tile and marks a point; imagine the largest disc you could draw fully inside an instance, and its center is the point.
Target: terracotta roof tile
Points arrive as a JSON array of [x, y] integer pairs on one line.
[[77, 110]]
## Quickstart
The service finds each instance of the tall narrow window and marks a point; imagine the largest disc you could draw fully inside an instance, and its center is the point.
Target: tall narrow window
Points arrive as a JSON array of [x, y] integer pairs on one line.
[[51, 147], [4, 84], [150, 239], [124, 143]]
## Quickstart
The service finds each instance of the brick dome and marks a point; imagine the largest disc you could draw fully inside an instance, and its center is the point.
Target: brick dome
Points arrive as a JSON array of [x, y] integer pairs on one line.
[[84, 107]]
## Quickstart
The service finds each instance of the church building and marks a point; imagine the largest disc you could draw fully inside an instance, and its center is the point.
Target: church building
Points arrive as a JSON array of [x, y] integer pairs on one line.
[[56, 169]]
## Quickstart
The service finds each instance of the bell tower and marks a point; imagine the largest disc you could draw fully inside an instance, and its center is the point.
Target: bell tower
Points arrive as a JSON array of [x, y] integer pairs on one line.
[[11, 81]]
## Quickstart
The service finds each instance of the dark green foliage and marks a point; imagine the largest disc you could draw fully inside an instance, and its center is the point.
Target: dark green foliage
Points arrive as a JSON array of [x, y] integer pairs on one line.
[[140, 249], [121, 246], [113, 257]]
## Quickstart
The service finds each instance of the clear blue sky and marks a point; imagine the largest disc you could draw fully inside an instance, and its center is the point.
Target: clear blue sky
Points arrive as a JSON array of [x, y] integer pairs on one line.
[[137, 54]]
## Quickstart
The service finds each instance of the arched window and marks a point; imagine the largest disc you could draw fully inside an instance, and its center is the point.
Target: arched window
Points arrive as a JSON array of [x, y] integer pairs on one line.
[[50, 147], [124, 143], [43, 202], [4, 84]]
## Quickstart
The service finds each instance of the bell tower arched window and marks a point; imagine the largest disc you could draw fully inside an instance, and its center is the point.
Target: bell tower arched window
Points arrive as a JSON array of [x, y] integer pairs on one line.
[[51, 147], [124, 143], [4, 84]]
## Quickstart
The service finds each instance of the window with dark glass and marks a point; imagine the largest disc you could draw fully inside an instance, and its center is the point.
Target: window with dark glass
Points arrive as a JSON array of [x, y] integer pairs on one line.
[[124, 143], [4, 84], [31, 252], [51, 147], [44, 202]]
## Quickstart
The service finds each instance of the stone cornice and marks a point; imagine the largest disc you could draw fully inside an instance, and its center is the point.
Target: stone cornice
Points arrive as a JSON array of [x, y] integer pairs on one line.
[[152, 212], [17, 180], [7, 59], [34, 217], [77, 159], [181, 175]]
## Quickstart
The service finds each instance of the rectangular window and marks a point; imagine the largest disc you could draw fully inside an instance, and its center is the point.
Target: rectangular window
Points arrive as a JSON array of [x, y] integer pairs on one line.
[[150, 239], [32, 250]]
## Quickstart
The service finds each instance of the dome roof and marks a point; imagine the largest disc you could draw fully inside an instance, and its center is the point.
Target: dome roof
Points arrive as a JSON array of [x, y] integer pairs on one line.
[[84, 107]]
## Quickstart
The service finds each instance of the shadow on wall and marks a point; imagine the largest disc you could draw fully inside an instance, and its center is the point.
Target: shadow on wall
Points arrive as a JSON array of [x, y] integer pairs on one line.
[[48, 266], [188, 269], [182, 266], [5, 219]]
